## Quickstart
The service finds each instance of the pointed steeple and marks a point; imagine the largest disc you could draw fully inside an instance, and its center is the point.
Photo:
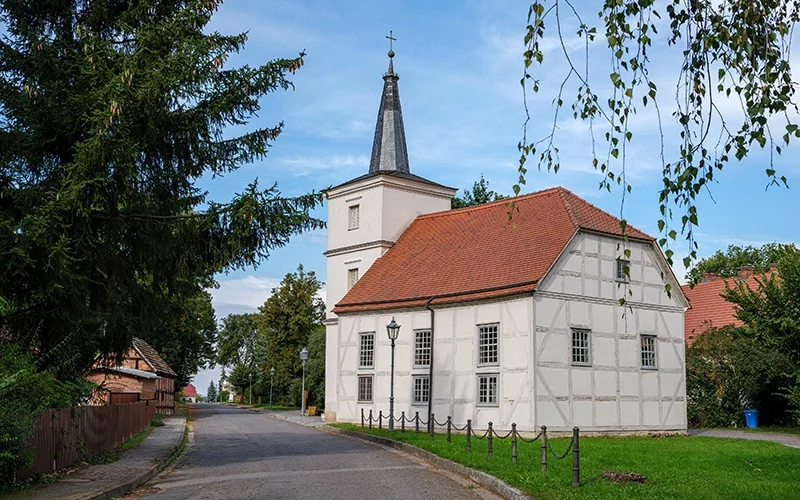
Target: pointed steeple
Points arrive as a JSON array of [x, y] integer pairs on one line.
[[389, 152]]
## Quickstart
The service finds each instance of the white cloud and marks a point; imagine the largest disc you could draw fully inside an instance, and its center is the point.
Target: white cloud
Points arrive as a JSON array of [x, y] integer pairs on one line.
[[246, 295], [305, 165], [236, 296]]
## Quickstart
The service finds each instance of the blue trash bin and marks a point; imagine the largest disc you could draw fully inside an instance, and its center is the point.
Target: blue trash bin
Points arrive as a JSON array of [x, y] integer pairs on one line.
[[751, 418]]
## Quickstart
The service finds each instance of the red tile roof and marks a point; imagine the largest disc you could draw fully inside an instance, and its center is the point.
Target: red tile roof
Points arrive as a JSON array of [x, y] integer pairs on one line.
[[708, 307], [477, 252], [189, 391]]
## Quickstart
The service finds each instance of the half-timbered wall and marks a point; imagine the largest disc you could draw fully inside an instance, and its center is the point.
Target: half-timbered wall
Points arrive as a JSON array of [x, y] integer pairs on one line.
[[538, 383]]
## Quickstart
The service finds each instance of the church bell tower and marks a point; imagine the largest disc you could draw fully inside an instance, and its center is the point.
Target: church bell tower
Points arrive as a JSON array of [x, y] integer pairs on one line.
[[366, 215]]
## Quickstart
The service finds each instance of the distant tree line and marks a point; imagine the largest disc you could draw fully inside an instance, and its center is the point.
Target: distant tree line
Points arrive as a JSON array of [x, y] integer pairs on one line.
[[755, 366], [250, 345]]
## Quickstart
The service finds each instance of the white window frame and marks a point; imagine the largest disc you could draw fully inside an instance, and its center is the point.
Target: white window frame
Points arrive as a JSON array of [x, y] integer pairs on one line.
[[620, 275], [353, 217], [488, 376], [371, 379], [361, 351], [642, 352], [478, 351], [352, 277], [422, 348], [573, 346], [421, 379]]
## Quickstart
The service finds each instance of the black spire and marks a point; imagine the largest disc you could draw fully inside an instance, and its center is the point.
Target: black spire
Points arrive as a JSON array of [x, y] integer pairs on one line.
[[389, 146]]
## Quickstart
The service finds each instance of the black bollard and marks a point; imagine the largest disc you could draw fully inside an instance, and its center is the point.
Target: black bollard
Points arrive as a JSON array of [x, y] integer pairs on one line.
[[489, 440], [362, 417], [380, 419], [576, 458], [416, 421], [514, 443], [469, 432], [370, 419], [431, 423], [402, 421], [449, 424], [544, 448]]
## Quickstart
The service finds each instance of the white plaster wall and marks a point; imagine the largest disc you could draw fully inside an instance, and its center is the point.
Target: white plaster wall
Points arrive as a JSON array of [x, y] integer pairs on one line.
[[538, 384], [337, 267], [615, 392], [370, 201], [402, 206]]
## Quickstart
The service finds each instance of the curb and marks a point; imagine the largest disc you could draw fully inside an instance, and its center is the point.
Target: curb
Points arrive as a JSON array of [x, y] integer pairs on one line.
[[130, 485], [488, 481]]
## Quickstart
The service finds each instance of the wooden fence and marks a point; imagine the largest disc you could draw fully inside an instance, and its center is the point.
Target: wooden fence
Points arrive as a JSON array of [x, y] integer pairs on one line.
[[62, 438]]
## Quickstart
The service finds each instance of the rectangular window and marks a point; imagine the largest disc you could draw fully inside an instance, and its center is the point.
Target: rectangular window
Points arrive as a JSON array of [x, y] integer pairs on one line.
[[581, 348], [422, 348], [487, 345], [352, 277], [648, 351], [487, 390], [422, 389], [365, 388], [366, 351], [622, 266], [353, 215]]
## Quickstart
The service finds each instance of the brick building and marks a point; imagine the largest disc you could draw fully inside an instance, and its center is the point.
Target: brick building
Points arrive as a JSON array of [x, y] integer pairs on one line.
[[142, 375]]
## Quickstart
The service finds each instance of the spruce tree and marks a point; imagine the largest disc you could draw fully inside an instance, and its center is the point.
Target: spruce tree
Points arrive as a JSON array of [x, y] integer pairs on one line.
[[110, 112]]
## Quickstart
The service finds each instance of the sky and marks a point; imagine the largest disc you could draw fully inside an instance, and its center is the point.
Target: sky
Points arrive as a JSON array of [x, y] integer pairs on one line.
[[460, 65]]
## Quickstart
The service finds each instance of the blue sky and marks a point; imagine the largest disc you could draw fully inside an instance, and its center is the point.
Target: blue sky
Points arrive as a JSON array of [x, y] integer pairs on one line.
[[459, 64]]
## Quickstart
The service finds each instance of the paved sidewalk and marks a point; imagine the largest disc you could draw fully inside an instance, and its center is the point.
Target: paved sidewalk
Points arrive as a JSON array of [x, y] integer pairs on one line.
[[106, 481], [784, 439], [296, 417]]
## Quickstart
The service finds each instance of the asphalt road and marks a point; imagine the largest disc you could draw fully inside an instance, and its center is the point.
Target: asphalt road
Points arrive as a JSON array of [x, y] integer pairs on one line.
[[240, 454]]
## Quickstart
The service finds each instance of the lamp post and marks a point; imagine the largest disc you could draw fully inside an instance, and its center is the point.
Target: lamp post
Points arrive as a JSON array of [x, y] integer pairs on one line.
[[303, 358], [271, 378], [250, 376], [393, 330]]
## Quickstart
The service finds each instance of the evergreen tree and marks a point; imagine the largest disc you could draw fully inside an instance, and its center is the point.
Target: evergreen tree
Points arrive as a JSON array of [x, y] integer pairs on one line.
[[211, 393], [110, 112]]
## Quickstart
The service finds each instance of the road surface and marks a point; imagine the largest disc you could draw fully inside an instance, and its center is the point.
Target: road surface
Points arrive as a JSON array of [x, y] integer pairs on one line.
[[241, 454]]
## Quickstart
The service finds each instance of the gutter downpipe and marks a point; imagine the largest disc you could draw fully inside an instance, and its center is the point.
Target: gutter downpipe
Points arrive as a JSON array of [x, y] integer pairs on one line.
[[430, 373]]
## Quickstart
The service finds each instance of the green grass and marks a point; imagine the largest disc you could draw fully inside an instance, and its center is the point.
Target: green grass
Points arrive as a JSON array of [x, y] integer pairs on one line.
[[136, 440], [676, 467]]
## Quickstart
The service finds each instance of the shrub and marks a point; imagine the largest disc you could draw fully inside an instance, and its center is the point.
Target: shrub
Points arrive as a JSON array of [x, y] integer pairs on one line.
[[727, 372], [24, 394]]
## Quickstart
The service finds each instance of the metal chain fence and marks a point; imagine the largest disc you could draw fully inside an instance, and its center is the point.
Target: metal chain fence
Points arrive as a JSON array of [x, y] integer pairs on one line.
[[489, 434]]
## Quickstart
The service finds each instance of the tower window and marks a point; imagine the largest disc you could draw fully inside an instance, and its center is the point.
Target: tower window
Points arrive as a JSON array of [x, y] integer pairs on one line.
[[352, 277], [622, 267], [353, 215]]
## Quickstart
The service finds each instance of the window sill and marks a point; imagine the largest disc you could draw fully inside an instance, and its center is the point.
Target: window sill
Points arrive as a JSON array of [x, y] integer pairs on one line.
[[366, 368], [488, 365], [488, 405], [581, 365], [423, 403], [352, 229], [650, 368]]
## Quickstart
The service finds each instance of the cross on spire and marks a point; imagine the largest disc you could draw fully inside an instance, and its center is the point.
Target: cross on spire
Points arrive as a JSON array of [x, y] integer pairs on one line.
[[391, 39]]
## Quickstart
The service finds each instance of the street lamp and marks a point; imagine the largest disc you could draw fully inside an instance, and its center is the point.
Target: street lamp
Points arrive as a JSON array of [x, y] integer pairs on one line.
[[271, 378], [303, 358], [250, 376], [393, 329]]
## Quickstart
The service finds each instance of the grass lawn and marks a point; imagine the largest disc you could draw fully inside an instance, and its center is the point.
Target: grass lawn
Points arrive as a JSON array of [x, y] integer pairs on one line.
[[274, 407], [676, 467]]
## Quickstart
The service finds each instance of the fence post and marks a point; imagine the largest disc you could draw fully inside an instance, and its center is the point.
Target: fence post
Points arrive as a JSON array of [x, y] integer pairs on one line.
[[544, 448], [469, 431], [449, 424], [431, 424], [416, 421], [370, 418], [489, 440], [362, 417], [402, 421], [576, 462], [380, 419], [514, 443]]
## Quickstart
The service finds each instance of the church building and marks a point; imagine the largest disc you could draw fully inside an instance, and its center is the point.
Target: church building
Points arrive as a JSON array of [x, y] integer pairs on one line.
[[507, 313]]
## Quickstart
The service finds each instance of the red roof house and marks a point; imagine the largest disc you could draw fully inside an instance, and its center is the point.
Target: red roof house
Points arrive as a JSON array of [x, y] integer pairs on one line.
[[708, 307], [430, 259], [190, 393]]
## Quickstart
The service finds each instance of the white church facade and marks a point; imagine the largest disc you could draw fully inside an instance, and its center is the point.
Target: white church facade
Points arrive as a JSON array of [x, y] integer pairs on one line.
[[504, 319]]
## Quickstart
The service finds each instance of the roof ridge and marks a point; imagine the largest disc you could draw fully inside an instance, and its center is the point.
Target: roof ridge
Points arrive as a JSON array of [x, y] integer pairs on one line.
[[489, 204], [568, 207]]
